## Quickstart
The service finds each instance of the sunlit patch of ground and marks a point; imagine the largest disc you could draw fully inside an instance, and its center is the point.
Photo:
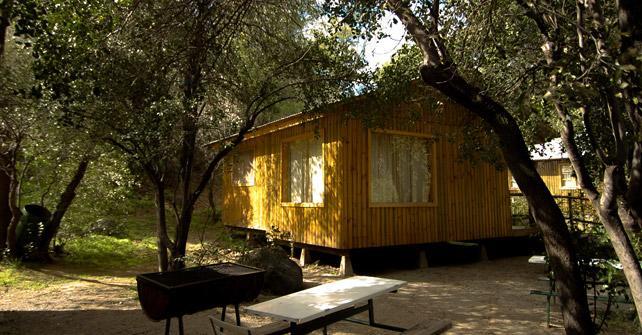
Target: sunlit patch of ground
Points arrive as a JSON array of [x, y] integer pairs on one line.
[[481, 298]]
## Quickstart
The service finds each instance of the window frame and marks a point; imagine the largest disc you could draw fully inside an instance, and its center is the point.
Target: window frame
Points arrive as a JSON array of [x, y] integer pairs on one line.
[[235, 156], [433, 170], [561, 174], [285, 159], [512, 184]]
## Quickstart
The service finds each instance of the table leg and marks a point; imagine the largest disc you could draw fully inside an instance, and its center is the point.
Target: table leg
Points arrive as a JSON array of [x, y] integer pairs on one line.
[[325, 330], [180, 325], [223, 313], [238, 316], [371, 318], [168, 323]]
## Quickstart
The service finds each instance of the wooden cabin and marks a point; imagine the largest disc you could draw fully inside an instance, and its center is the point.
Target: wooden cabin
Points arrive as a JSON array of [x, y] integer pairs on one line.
[[335, 185], [553, 165]]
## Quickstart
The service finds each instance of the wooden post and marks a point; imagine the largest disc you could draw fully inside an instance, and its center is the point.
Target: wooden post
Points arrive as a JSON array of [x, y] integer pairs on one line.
[[423, 259], [483, 254], [582, 214], [305, 257], [345, 269], [570, 209]]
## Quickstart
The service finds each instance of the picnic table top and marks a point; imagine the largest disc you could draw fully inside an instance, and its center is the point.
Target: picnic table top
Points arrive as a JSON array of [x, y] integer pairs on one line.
[[325, 299], [595, 262]]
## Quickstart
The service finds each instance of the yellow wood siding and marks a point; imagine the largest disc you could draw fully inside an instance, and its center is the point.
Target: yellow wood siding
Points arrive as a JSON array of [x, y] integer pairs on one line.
[[471, 202], [551, 172]]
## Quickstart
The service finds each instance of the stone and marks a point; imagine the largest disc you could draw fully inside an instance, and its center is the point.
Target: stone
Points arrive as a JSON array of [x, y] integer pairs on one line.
[[282, 275]]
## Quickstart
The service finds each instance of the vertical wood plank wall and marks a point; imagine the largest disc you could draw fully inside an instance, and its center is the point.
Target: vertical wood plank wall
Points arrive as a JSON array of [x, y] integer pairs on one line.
[[259, 206], [472, 201], [550, 170]]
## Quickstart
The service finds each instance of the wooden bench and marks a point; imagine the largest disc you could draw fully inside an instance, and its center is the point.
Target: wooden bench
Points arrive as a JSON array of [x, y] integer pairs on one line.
[[429, 327]]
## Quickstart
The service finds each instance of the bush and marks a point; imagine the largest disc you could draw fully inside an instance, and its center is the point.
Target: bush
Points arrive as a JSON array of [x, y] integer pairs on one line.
[[107, 227]]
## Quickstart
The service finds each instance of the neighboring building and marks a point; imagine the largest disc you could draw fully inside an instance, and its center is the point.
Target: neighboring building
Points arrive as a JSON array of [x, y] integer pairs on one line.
[[553, 165], [335, 185]]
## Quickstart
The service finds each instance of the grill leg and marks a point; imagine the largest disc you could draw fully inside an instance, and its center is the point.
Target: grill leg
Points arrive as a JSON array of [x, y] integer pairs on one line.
[[180, 325], [168, 322], [238, 316]]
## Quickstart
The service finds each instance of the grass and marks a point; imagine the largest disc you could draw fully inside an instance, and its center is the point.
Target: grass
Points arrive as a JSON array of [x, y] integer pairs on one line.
[[110, 252], [93, 256], [16, 275]]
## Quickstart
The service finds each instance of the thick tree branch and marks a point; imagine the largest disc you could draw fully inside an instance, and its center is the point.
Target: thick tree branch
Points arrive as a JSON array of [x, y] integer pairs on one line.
[[442, 75]]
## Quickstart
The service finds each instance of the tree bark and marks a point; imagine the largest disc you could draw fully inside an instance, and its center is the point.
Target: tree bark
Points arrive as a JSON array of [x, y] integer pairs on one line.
[[605, 205], [14, 197], [5, 179], [5, 21], [629, 14], [66, 198], [5, 210], [607, 210], [162, 242], [440, 73]]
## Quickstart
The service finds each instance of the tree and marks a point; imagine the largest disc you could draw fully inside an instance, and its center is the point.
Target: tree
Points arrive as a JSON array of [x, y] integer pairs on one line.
[[598, 88], [561, 67], [22, 120], [172, 76], [439, 71]]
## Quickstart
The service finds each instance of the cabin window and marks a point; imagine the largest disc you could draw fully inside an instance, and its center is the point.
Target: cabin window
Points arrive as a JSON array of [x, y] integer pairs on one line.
[[303, 182], [401, 169], [243, 170], [568, 177]]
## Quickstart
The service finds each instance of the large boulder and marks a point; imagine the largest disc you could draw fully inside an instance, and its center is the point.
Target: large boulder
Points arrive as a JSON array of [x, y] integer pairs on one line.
[[282, 275]]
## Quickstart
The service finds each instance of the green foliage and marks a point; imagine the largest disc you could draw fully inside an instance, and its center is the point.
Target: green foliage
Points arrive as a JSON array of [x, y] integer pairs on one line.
[[107, 227], [519, 211], [107, 252]]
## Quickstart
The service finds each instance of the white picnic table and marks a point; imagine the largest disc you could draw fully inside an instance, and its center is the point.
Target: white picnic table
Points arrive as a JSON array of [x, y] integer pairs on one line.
[[322, 305]]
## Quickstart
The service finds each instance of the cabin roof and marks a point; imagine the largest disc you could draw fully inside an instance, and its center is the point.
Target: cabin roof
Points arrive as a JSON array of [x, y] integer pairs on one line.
[[306, 116], [281, 123]]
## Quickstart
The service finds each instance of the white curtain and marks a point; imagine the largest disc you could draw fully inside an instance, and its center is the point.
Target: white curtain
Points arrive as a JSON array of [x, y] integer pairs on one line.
[[315, 160], [306, 171], [400, 170]]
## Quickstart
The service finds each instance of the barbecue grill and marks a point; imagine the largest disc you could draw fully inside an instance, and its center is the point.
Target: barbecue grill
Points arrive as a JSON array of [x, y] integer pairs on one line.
[[164, 295]]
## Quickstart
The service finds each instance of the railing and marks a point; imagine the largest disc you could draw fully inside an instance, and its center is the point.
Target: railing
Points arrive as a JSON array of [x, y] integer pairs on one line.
[[575, 207]]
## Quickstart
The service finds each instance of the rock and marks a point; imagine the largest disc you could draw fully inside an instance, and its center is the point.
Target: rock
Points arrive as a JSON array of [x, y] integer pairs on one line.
[[282, 275]]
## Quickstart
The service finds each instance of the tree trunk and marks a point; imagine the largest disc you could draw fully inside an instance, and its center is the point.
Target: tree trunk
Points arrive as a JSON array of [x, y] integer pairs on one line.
[[161, 229], [439, 73], [66, 198], [5, 179], [607, 210], [5, 21], [633, 198], [546, 213], [16, 213], [5, 210]]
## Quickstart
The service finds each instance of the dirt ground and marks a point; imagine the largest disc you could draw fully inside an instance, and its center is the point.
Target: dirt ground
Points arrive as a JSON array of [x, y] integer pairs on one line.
[[488, 297]]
